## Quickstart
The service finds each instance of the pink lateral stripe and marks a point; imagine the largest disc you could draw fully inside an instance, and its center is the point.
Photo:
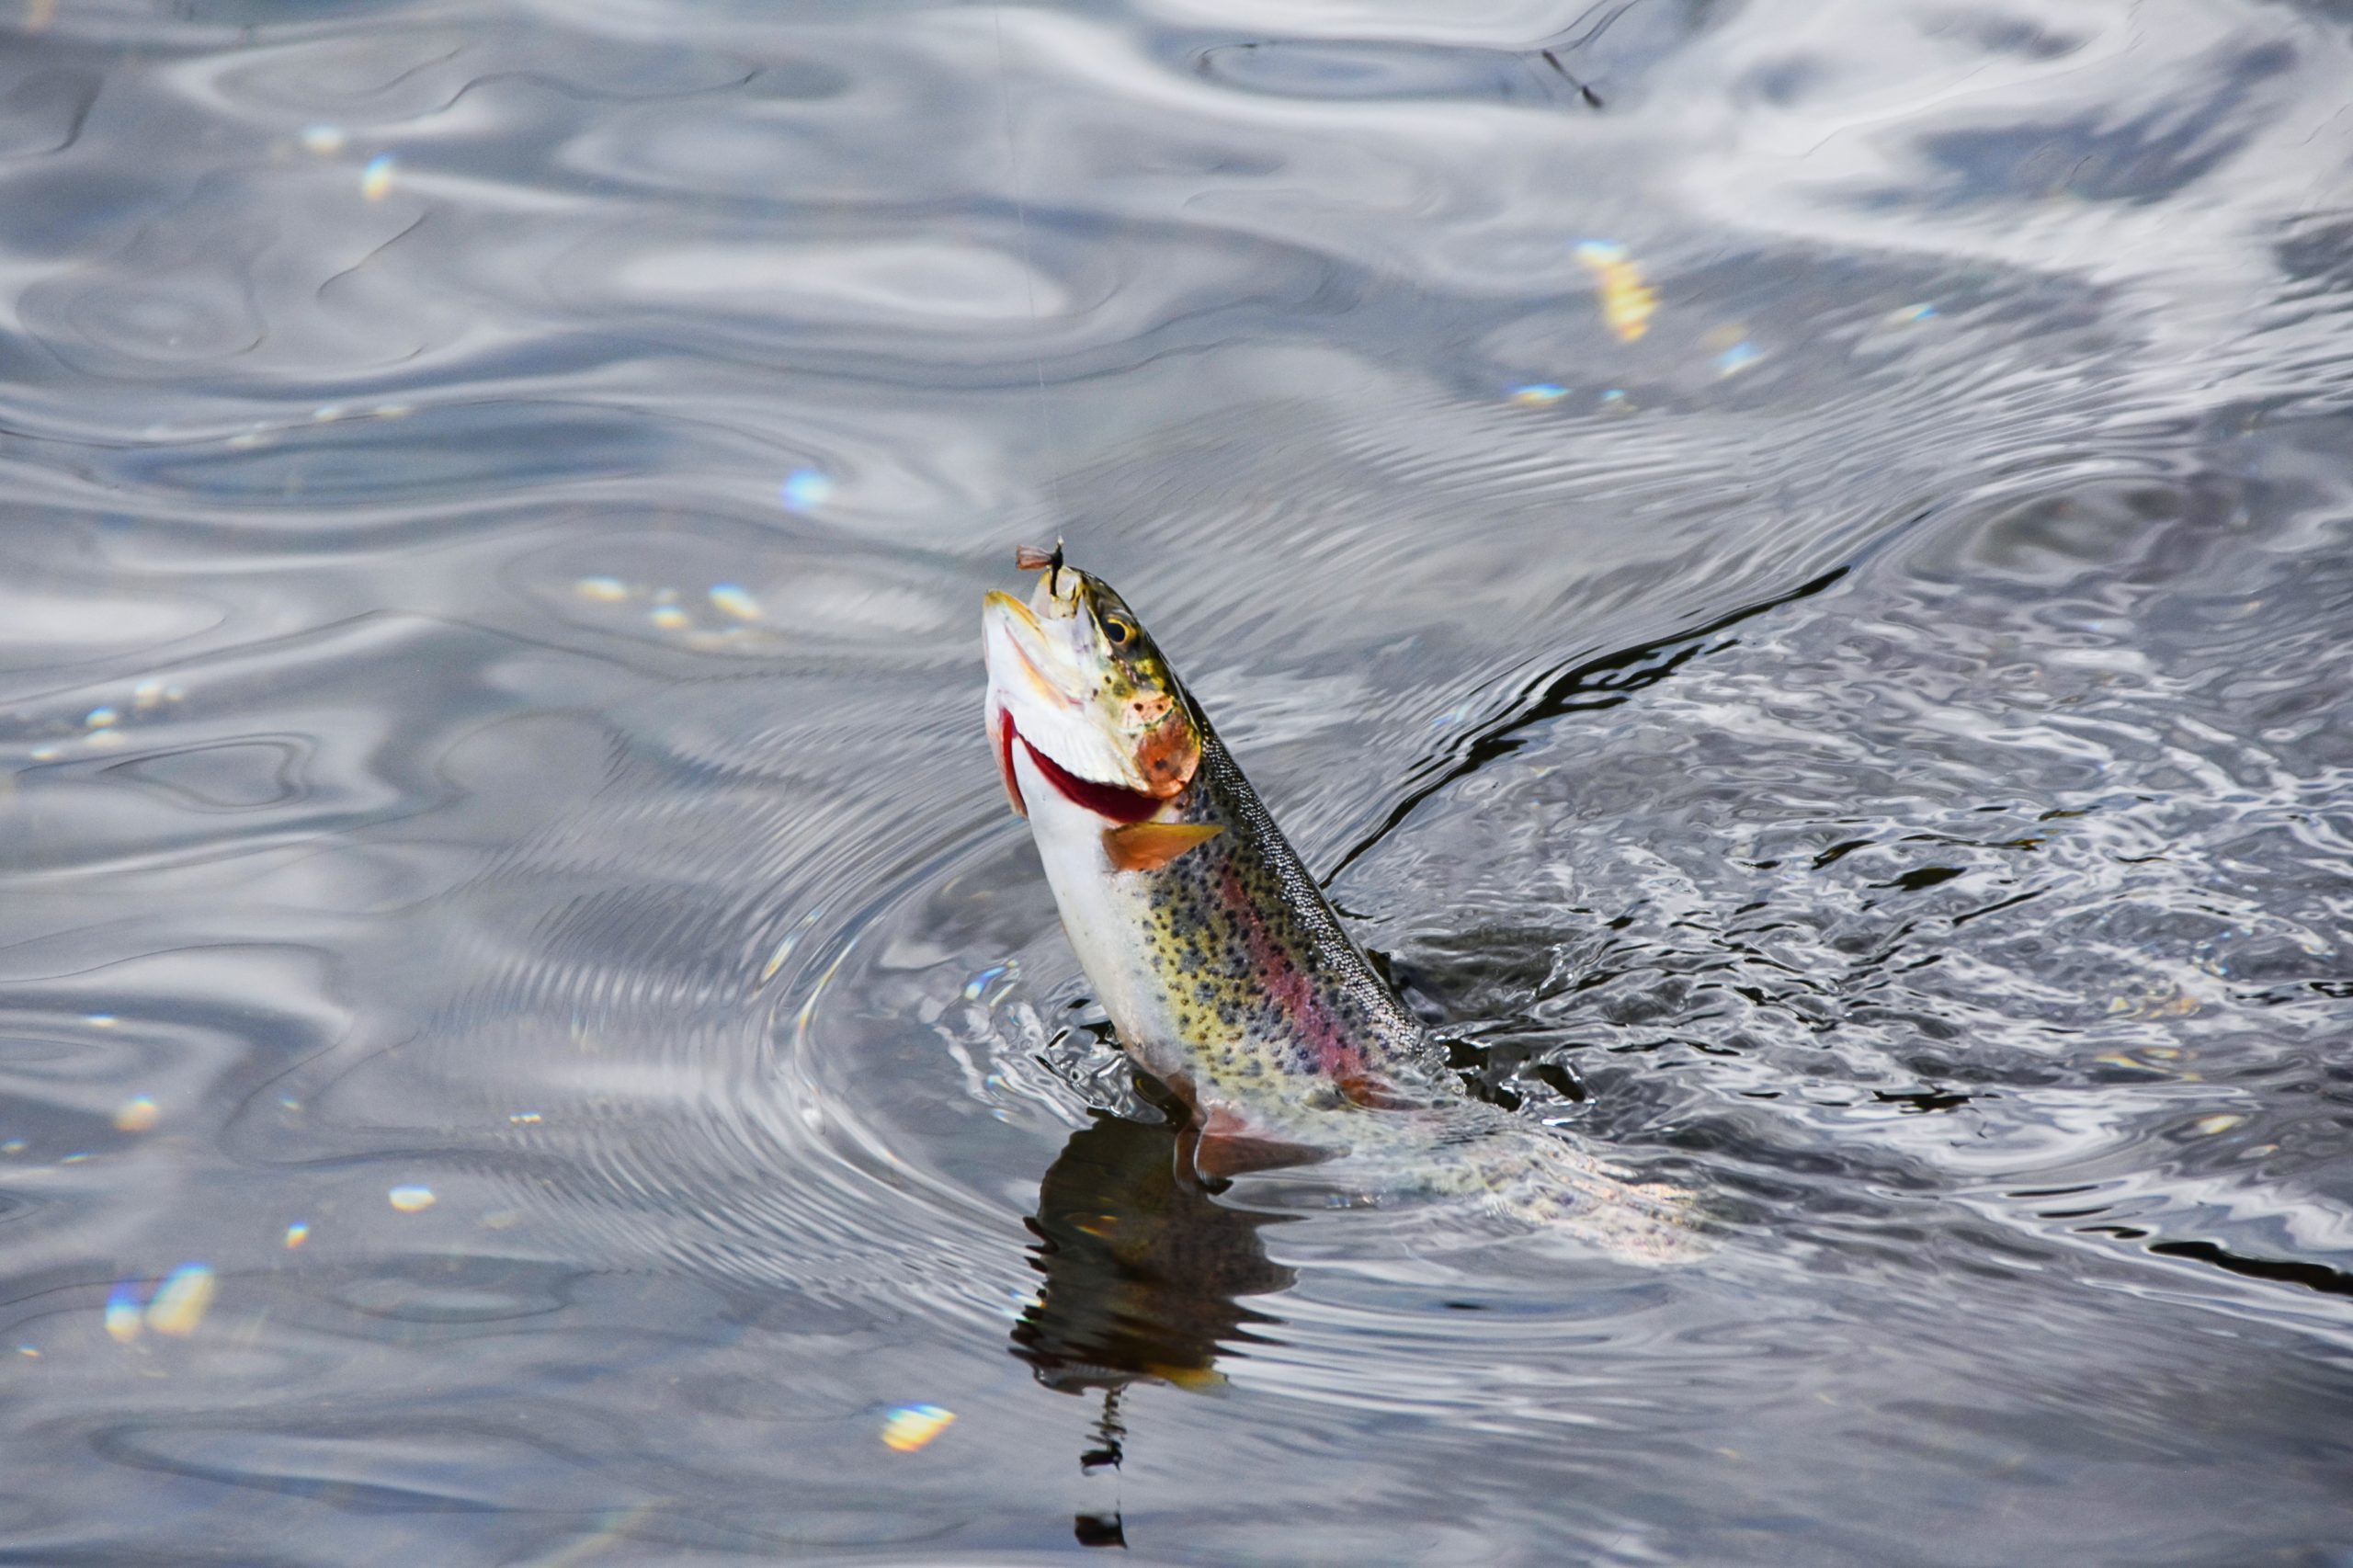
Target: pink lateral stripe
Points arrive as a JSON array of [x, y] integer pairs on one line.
[[1335, 1057]]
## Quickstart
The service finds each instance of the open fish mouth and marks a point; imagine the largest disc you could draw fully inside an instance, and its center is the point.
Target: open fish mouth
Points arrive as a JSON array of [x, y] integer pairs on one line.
[[1013, 628], [1041, 680], [1115, 801]]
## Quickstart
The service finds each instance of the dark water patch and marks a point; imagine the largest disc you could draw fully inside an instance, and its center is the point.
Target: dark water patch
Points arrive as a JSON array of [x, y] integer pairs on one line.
[[1596, 683], [1831, 697], [2311, 1276], [2144, 159], [43, 113]]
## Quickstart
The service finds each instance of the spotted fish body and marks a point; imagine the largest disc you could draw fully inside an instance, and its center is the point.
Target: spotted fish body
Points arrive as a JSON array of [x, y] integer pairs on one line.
[[1235, 984], [1220, 963]]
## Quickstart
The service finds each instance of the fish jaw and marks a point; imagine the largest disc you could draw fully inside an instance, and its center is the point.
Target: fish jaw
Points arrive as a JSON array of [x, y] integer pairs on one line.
[[1041, 693]]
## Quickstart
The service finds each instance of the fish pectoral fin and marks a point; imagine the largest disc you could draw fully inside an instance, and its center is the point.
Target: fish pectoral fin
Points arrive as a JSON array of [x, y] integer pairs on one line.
[[1192, 1380], [1149, 845]]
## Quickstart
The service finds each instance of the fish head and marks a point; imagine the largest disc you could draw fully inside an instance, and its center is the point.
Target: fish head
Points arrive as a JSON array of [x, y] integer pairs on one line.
[[1075, 677]]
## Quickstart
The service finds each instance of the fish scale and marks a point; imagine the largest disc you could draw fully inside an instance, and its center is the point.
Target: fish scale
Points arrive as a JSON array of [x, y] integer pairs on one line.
[[1261, 981]]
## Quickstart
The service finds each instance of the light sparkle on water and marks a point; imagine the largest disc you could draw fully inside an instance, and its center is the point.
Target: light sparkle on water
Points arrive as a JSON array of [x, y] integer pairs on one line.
[[980, 984], [737, 601], [375, 180], [806, 489], [123, 1317], [412, 1199], [1626, 300], [912, 1426], [182, 1300], [1738, 358]]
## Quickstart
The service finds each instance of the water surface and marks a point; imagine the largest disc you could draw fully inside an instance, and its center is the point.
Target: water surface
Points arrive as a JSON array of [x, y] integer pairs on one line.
[[1789, 563]]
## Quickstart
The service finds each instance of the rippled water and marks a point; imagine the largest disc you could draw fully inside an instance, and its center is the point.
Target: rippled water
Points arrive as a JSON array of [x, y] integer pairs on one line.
[[505, 878]]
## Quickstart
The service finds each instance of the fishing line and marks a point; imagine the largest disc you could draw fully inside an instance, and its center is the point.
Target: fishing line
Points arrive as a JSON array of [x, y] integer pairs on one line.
[[1028, 272]]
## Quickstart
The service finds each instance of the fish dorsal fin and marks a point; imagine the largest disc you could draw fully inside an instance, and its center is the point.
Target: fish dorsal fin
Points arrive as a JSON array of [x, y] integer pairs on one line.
[[1149, 845]]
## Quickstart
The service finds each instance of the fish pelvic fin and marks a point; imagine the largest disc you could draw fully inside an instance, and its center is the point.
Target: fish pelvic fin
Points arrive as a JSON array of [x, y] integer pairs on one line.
[[1149, 845], [1223, 1146]]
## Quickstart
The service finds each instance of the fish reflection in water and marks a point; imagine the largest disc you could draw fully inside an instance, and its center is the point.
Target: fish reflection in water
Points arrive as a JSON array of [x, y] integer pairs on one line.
[[1144, 1276], [1144, 1271]]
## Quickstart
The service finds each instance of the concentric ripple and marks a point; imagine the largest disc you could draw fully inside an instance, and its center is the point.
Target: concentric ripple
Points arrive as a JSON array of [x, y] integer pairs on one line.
[[1788, 562]]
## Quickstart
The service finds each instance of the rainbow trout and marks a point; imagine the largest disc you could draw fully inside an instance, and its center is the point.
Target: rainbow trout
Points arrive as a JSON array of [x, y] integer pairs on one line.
[[1224, 969]]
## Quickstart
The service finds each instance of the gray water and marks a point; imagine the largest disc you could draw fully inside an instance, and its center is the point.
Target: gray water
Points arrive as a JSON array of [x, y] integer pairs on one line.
[[507, 895]]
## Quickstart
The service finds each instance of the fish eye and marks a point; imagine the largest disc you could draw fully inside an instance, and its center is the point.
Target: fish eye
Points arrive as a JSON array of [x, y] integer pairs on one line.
[[1117, 631]]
